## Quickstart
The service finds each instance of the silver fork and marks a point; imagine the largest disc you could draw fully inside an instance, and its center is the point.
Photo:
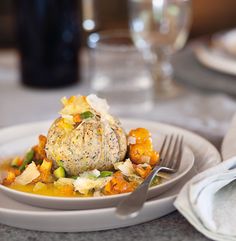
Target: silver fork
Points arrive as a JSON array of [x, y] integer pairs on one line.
[[170, 158]]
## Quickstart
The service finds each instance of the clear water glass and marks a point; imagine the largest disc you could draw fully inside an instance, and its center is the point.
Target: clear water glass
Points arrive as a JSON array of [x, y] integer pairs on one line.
[[118, 72], [160, 28]]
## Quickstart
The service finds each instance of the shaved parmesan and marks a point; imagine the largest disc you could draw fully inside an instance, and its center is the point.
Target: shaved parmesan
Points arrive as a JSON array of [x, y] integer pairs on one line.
[[91, 174], [84, 184], [125, 167], [99, 105], [28, 175], [68, 118], [64, 181]]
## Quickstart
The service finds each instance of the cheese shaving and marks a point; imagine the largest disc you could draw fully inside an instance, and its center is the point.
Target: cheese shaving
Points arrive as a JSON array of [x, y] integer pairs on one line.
[[28, 175], [125, 167], [84, 185], [99, 105]]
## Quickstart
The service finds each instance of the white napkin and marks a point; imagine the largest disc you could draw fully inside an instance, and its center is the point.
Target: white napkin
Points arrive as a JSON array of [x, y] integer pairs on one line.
[[208, 201]]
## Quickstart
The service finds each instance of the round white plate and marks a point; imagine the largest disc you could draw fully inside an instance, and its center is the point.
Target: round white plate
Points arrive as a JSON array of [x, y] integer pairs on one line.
[[215, 59], [24, 216], [18, 144], [226, 41]]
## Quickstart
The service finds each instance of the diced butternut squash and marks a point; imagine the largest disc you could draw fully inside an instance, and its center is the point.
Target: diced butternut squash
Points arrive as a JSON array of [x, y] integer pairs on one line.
[[9, 179], [77, 118], [141, 135], [142, 149], [39, 150], [118, 185], [155, 157], [45, 166], [143, 172]]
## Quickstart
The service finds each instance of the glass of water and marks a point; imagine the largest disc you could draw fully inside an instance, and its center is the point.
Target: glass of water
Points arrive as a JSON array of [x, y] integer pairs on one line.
[[159, 28], [118, 72]]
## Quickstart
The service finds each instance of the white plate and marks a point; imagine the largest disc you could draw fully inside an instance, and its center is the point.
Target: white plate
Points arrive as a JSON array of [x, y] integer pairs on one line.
[[21, 215], [18, 144], [226, 41], [215, 59]]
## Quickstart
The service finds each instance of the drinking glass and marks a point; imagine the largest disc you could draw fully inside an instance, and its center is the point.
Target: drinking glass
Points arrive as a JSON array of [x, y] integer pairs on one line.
[[159, 28], [49, 39], [118, 71]]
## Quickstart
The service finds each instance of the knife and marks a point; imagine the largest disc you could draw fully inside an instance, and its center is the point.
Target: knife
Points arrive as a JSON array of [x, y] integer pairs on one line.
[[228, 147]]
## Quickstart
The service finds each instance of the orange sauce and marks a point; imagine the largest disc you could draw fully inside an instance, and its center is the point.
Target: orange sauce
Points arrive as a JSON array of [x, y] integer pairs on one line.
[[49, 190]]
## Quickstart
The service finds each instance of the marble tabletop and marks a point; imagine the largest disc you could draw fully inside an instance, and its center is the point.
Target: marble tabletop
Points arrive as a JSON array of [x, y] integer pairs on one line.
[[207, 113]]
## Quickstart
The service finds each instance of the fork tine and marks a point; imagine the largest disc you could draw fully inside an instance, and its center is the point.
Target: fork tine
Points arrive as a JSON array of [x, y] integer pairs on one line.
[[165, 155], [162, 147], [172, 158], [179, 154]]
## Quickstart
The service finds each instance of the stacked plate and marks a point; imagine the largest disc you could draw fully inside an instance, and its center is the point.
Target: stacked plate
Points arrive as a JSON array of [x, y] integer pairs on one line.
[[220, 53], [89, 214]]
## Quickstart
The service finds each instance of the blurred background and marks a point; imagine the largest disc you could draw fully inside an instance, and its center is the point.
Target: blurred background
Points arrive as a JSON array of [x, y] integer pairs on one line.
[[49, 34], [208, 17]]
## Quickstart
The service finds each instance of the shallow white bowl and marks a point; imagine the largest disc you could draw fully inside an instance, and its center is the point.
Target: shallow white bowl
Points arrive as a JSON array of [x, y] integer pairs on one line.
[[22, 137], [21, 215]]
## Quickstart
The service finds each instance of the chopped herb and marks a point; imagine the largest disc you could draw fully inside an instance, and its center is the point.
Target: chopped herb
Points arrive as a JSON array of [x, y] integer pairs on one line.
[[90, 176], [60, 163], [105, 174], [74, 177], [28, 158], [86, 115]]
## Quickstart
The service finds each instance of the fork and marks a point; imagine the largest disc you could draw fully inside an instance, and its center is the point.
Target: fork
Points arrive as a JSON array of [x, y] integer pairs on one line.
[[170, 159]]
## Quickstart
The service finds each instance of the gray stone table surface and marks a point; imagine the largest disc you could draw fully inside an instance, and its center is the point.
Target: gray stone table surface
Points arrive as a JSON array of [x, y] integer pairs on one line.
[[172, 227], [207, 114]]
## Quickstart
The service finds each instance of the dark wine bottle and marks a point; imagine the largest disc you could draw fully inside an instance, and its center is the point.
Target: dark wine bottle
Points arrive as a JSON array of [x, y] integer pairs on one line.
[[49, 39]]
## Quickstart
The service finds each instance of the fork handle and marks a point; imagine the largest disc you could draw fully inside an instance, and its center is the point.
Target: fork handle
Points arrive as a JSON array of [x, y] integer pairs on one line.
[[131, 205]]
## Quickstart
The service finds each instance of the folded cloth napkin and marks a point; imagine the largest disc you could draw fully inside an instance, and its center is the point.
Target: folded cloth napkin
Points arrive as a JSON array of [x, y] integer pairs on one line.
[[208, 201]]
